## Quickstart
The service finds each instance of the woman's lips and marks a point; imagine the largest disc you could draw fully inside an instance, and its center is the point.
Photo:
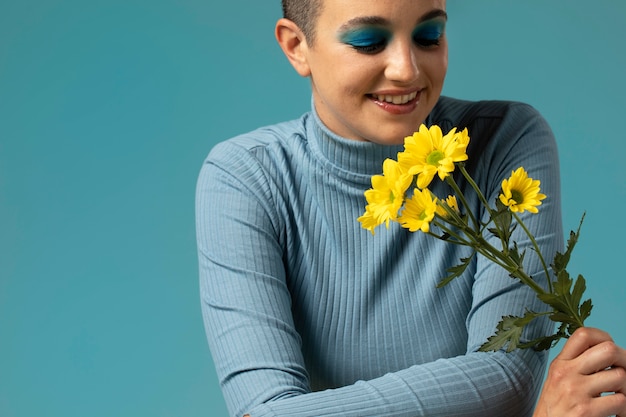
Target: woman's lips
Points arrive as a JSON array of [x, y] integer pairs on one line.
[[395, 99], [397, 103]]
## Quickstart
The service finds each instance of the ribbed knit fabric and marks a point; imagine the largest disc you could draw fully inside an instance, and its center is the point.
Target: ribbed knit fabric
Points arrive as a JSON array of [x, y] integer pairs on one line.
[[307, 314]]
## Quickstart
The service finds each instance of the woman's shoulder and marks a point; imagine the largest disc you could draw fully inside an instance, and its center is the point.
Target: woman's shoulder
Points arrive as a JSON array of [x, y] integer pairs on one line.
[[262, 139], [450, 112], [499, 129], [258, 155]]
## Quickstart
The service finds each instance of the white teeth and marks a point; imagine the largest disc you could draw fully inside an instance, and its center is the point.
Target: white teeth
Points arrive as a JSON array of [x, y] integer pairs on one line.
[[403, 99]]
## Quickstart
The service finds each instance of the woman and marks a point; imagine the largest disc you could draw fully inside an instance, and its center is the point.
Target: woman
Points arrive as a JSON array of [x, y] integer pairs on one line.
[[306, 313]]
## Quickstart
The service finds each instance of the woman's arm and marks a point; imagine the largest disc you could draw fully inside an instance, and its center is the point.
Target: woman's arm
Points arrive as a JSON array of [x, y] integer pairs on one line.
[[257, 352]]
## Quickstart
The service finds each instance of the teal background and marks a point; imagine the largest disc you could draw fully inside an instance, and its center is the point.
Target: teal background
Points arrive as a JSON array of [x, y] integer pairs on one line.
[[107, 110]]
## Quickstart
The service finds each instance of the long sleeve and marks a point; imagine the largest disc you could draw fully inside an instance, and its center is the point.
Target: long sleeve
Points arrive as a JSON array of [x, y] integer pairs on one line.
[[306, 314]]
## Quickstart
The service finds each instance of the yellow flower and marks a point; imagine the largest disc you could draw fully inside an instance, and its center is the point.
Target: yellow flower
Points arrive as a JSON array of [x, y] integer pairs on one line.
[[385, 197], [427, 152], [520, 192], [451, 203], [419, 211]]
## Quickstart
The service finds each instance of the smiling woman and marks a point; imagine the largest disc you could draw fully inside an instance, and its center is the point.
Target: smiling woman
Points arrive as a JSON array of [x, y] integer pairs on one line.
[[107, 109], [381, 66], [306, 313]]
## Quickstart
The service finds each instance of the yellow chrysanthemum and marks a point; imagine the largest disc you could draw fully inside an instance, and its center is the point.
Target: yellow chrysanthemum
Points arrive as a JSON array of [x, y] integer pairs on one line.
[[419, 211], [385, 197], [428, 152], [451, 202], [520, 192]]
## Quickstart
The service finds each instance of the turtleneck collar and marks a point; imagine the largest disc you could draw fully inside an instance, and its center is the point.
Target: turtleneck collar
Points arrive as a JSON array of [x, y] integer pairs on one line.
[[350, 159]]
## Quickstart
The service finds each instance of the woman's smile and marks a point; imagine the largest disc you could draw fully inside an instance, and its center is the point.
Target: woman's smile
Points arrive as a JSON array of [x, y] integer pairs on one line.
[[396, 103]]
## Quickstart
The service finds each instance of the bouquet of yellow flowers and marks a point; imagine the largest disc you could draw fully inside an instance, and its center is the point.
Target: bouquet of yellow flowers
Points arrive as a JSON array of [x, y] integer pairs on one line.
[[428, 152]]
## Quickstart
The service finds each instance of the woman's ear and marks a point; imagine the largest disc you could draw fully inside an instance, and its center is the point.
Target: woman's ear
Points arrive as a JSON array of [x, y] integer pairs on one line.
[[293, 43]]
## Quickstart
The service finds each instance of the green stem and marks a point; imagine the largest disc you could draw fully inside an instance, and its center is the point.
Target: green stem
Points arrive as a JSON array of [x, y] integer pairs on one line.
[[482, 246], [459, 239], [473, 184], [475, 241], [485, 203], [536, 246], [461, 196], [509, 264]]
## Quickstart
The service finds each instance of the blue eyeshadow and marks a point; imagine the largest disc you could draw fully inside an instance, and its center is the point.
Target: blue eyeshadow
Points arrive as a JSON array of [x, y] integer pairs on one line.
[[367, 36], [430, 30]]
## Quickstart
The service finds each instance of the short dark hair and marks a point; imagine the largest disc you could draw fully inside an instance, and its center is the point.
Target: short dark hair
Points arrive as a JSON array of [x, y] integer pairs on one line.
[[303, 13]]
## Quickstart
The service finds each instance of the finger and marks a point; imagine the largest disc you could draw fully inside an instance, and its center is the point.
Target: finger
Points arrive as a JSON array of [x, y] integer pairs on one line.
[[602, 356], [607, 381], [609, 405], [581, 340]]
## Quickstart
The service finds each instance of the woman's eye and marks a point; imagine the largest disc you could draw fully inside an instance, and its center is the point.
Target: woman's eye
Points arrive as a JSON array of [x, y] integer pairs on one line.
[[429, 34], [367, 41], [370, 48], [427, 42]]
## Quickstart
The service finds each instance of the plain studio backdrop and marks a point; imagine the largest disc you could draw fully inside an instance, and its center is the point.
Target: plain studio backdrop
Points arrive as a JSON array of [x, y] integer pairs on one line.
[[107, 109]]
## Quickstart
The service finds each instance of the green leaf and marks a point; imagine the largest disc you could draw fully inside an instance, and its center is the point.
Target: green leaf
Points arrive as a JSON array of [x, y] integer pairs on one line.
[[585, 309], [503, 217], [541, 343], [554, 301], [456, 271], [562, 284], [503, 220], [508, 333], [515, 254], [561, 317], [579, 288], [565, 300], [562, 259], [545, 343]]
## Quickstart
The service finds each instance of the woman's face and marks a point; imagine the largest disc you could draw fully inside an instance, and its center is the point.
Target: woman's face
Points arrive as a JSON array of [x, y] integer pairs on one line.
[[377, 66]]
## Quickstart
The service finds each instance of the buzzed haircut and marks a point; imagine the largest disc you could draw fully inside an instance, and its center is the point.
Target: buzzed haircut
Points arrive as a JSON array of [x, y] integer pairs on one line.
[[303, 13]]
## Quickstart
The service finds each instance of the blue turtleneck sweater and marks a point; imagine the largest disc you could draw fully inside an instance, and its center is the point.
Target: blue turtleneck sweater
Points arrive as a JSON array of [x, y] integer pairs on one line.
[[307, 314]]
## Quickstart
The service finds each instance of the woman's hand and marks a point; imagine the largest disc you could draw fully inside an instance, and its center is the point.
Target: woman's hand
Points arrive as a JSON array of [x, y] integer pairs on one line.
[[589, 365]]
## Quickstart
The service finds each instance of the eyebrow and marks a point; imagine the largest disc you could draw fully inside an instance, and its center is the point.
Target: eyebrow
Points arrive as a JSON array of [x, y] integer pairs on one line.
[[381, 21], [434, 14]]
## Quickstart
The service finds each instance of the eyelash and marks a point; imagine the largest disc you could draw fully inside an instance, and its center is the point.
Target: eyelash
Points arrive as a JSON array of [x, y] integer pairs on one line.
[[429, 36], [378, 46], [371, 48], [427, 42]]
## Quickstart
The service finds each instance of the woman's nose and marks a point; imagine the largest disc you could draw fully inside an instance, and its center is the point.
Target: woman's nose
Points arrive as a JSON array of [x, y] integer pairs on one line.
[[402, 63]]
